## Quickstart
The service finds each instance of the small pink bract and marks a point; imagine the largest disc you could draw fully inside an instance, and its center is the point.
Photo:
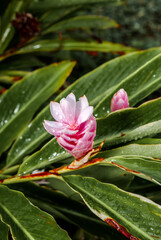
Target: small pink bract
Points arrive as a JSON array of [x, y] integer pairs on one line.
[[75, 125], [119, 100]]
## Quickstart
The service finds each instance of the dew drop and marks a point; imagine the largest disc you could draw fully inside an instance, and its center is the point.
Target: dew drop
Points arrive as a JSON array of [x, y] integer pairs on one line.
[[96, 115], [17, 108], [154, 75], [28, 139], [36, 46], [6, 121]]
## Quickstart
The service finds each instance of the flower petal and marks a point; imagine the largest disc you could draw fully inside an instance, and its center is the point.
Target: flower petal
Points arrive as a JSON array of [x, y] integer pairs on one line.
[[56, 111], [68, 109], [65, 144], [119, 100], [68, 131], [81, 105], [53, 127], [85, 115], [82, 148]]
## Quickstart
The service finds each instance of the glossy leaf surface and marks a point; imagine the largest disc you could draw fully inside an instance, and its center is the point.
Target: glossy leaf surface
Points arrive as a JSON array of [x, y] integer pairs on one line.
[[69, 209], [20, 102], [133, 124], [134, 216], [144, 167], [138, 81], [130, 124], [30, 222], [103, 79]]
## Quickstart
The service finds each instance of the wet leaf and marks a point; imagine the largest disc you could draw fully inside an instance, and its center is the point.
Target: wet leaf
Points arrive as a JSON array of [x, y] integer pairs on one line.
[[104, 78], [134, 216], [20, 102], [29, 223], [134, 124]]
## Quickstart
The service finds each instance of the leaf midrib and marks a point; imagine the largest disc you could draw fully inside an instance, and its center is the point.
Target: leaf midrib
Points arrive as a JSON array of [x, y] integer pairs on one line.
[[112, 211], [17, 222]]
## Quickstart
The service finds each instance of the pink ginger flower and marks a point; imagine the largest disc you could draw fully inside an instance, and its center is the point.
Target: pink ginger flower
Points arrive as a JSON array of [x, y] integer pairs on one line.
[[119, 100], [75, 125]]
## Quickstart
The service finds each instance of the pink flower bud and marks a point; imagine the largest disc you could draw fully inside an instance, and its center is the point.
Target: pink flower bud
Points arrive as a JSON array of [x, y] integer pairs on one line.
[[75, 125], [119, 100]]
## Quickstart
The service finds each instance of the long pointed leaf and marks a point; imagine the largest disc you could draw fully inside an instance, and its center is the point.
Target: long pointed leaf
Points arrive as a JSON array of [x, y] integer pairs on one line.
[[83, 22], [104, 79], [7, 31], [71, 44], [29, 223], [20, 102], [134, 216], [117, 128]]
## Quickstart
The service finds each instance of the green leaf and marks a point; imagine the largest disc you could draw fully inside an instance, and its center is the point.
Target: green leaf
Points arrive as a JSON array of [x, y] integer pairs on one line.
[[21, 62], [54, 15], [144, 167], [138, 82], [43, 5], [104, 173], [102, 78], [67, 208], [129, 124], [119, 127], [13, 73], [150, 149], [7, 30], [71, 44], [20, 102], [3, 231], [52, 152], [10, 77], [130, 214], [30, 222], [83, 22]]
